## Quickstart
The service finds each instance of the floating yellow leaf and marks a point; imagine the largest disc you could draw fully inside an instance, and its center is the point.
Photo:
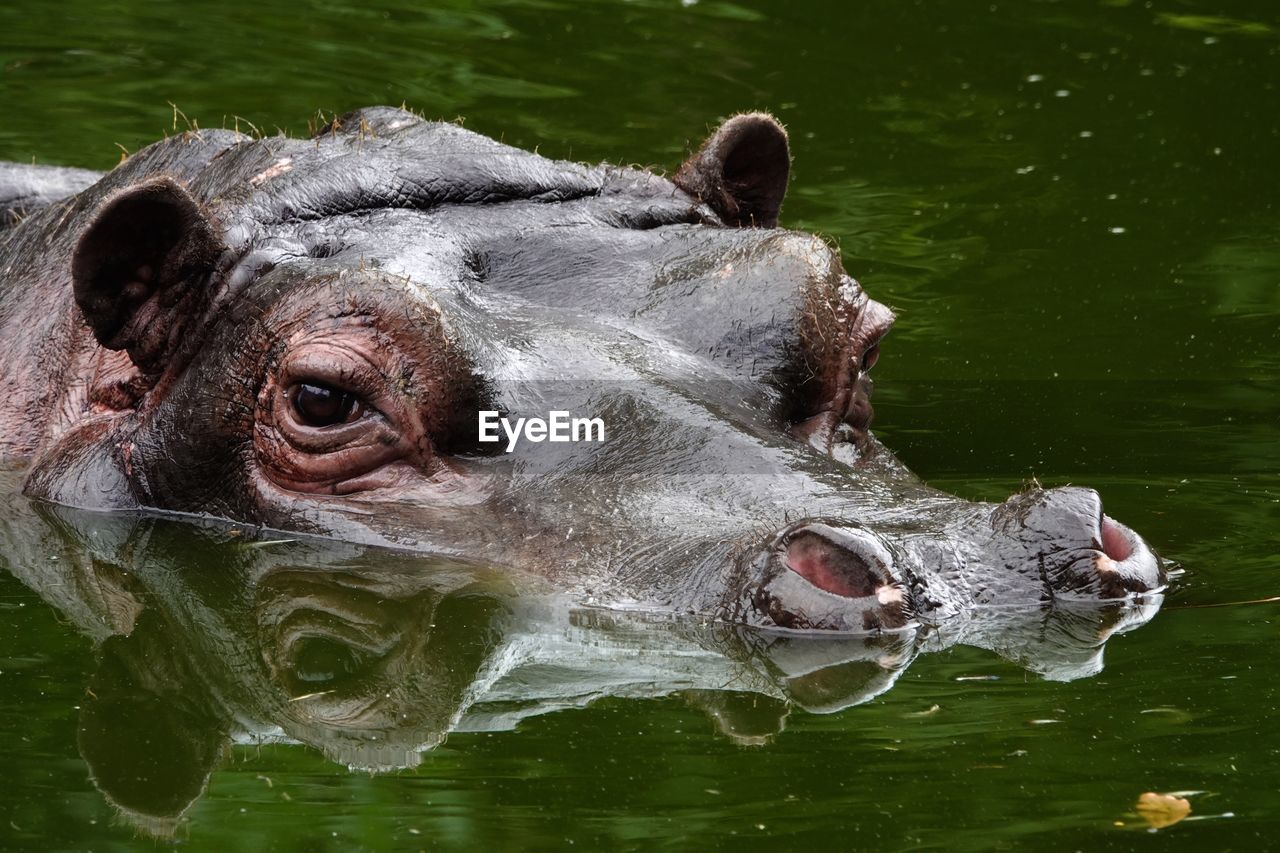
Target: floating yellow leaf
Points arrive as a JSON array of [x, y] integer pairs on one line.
[[1161, 810]]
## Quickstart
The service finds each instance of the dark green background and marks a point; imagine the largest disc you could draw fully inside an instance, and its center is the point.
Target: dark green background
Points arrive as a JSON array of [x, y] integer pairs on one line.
[[1071, 205]]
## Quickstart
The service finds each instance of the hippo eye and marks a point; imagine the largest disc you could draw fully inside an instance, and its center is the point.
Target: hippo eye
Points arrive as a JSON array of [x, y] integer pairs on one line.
[[322, 406], [870, 357], [319, 661]]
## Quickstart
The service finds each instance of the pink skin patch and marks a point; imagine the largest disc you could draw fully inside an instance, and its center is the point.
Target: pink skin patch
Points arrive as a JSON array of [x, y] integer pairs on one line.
[[278, 168], [1115, 544], [831, 568]]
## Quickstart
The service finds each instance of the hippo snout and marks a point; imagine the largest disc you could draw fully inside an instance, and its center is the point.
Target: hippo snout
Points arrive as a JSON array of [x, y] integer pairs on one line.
[[1038, 548], [1079, 549]]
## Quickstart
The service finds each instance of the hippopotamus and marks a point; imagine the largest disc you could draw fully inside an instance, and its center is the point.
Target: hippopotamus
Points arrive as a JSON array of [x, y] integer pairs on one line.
[[307, 335]]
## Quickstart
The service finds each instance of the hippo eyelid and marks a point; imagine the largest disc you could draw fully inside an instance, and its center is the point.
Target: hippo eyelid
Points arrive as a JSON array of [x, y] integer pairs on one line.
[[873, 339], [873, 327], [870, 356]]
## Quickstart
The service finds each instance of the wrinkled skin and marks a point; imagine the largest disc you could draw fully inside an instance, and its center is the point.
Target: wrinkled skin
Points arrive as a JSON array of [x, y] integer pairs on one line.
[[298, 334], [206, 636]]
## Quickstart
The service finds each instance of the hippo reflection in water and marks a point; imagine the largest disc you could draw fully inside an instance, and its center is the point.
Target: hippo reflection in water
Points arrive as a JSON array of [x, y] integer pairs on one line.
[[206, 638], [300, 334]]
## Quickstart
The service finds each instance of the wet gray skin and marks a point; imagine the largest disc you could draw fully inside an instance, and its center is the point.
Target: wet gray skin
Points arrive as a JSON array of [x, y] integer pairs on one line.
[[205, 636], [299, 334]]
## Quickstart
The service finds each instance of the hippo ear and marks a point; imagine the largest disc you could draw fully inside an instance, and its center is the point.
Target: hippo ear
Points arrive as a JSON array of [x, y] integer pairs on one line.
[[140, 267], [741, 170]]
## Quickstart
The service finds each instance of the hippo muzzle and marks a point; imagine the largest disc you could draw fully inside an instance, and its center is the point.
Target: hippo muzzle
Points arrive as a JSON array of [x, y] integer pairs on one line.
[[1077, 549], [1036, 548]]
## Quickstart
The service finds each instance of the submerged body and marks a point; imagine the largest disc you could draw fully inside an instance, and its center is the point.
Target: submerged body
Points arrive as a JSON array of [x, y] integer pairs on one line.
[[301, 334]]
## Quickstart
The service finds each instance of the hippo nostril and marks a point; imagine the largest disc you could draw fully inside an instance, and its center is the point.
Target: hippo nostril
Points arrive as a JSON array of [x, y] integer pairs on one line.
[[832, 568], [1126, 565], [1115, 544], [816, 576]]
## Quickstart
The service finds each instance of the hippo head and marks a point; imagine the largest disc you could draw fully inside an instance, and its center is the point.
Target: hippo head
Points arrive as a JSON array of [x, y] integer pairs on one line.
[[303, 334]]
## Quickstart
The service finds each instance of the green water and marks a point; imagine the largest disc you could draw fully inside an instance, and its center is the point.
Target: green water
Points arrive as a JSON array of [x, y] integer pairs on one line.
[[1073, 208]]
